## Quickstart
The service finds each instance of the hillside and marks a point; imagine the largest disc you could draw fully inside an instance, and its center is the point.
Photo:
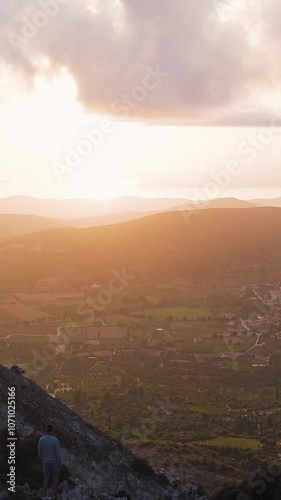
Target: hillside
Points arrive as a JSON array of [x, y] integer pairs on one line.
[[107, 219], [194, 245], [273, 202], [13, 224], [226, 203], [217, 203], [18, 224], [100, 465]]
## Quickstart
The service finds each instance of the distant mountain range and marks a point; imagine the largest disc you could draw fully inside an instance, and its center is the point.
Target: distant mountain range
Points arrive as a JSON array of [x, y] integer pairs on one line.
[[72, 209], [217, 203], [207, 242], [274, 202], [24, 215], [125, 206]]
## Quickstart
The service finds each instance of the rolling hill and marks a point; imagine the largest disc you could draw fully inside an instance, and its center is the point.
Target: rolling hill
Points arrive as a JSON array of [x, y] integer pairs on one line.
[[227, 203], [205, 243], [18, 224], [217, 203], [107, 219], [273, 202]]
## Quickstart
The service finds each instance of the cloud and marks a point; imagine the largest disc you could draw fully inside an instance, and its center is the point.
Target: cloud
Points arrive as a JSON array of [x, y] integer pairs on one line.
[[216, 63]]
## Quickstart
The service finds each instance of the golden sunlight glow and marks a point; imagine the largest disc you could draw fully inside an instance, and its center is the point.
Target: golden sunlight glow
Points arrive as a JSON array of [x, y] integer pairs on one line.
[[100, 186], [41, 116]]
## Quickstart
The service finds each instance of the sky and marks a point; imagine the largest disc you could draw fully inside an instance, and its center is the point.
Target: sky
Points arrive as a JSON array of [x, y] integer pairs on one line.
[[154, 98]]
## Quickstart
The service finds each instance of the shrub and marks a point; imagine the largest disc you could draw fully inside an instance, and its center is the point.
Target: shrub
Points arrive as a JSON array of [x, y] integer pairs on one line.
[[141, 466], [162, 478]]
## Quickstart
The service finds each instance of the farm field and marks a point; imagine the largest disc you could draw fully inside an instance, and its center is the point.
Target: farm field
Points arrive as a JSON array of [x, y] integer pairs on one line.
[[233, 442], [70, 296], [59, 309], [35, 297], [174, 372], [92, 333], [22, 307], [178, 313], [6, 317], [26, 340], [49, 297], [38, 329], [23, 313]]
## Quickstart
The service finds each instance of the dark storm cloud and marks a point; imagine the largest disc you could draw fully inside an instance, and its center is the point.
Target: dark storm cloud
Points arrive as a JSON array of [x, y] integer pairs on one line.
[[107, 45]]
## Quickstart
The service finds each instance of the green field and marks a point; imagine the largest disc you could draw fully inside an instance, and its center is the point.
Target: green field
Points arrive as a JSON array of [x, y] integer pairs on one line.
[[60, 309], [178, 313]]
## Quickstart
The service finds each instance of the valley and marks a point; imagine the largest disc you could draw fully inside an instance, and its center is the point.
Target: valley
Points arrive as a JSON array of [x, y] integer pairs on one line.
[[175, 356]]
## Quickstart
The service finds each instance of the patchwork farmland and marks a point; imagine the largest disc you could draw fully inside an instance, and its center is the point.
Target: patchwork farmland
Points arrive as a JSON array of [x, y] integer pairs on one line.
[[23, 308]]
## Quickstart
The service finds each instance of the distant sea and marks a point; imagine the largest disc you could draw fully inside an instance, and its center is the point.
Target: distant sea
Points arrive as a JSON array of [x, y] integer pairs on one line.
[[243, 194]]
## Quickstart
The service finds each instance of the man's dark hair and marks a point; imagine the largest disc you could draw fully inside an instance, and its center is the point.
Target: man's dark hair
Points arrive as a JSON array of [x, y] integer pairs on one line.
[[50, 428]]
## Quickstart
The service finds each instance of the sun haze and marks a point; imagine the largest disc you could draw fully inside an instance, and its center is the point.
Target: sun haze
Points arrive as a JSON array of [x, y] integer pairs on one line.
[[141, 90]]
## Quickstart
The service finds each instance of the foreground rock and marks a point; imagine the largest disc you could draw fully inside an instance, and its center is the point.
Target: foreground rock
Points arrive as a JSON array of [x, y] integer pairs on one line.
[[102, 468]]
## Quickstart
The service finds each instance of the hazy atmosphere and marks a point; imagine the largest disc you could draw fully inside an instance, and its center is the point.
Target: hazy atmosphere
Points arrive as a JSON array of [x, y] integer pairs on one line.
[[140, 249], [115, 97]]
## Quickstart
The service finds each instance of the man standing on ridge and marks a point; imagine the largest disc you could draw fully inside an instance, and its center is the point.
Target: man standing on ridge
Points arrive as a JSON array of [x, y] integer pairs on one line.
[[50, 455]]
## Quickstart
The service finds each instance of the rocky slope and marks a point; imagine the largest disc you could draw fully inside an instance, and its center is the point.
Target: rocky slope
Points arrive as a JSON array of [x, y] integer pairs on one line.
[[101, 468]]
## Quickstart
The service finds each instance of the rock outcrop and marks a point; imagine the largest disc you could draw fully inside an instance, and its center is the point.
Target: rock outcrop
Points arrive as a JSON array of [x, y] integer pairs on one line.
[[100, 467]]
